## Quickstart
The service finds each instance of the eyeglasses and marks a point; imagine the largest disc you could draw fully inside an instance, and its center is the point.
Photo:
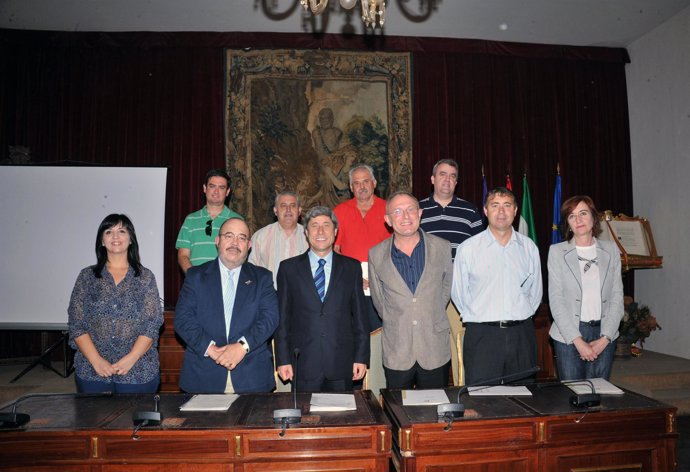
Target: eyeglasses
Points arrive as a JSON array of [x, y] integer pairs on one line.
[[209, 227], [398, 212], [229, 236], [582, 214]]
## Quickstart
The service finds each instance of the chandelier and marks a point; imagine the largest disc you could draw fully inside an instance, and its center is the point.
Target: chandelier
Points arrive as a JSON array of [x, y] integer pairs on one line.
[[371, 9]]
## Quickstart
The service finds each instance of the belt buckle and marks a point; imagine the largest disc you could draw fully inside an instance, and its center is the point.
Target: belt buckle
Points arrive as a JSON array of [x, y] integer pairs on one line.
[[504, 324]]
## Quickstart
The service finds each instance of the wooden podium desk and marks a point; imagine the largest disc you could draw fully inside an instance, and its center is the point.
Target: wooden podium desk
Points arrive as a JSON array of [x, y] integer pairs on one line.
[[541, 433], [71, 433]]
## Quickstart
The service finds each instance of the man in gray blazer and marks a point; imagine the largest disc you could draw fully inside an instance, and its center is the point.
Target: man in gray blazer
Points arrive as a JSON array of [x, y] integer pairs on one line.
[[410, 277]]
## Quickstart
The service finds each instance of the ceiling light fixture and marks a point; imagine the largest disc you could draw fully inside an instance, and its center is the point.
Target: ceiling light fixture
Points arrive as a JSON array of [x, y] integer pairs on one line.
[[371, 9]]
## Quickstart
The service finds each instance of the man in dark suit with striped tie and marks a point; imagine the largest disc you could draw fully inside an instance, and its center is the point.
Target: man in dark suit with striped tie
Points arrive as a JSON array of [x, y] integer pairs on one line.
[[323, 312]]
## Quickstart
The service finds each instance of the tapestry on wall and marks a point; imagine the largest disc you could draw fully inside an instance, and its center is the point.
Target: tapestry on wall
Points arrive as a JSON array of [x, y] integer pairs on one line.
[[300, 119]]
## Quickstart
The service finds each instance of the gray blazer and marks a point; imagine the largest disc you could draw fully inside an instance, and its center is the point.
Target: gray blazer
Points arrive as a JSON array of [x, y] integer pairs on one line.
[[565, 290], [415, 325]]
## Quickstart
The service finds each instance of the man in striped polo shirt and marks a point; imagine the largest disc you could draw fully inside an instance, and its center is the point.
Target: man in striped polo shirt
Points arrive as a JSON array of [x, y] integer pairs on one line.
[[196, 241], [455, 220]]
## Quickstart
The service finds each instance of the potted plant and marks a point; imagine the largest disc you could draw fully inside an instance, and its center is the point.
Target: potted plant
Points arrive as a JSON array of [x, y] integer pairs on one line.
[[637, 324]]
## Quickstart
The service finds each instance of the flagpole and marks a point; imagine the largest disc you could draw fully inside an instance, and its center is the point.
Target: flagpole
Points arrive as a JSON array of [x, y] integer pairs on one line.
[[485, 190], [556, 236]]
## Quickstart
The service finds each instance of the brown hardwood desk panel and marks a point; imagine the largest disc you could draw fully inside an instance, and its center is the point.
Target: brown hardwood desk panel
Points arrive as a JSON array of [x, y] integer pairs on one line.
[[541, 433], [94, 434], [171, 354]]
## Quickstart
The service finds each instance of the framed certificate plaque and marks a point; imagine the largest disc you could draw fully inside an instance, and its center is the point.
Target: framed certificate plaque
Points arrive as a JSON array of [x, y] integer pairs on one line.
[[633, 236]]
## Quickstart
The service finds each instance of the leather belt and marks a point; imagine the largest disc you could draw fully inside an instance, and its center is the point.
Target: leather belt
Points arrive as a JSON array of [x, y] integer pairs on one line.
[[504, 324], [592, 323]]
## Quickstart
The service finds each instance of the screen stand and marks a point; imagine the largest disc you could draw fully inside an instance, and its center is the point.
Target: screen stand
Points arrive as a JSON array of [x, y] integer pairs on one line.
[[44, 358]]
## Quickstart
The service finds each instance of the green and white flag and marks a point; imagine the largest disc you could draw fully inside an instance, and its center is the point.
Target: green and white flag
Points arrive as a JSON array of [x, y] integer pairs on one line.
[[527, 226]]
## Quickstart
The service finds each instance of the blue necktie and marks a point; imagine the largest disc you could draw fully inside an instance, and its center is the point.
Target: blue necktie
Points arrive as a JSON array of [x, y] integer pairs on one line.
[[320, 279]]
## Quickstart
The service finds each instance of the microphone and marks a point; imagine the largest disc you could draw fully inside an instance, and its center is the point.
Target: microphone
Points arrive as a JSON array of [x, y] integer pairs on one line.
[[450, 411], [586, 400], [13, 420], [287, 416], [147, 418], [151, 418], [578, 399]]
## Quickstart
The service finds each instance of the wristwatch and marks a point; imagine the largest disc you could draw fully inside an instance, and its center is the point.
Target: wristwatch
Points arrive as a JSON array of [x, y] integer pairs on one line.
[[607, 338], [243, 344]]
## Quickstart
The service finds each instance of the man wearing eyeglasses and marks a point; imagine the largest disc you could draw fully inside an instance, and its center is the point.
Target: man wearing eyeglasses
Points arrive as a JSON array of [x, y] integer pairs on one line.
[[410, 277], [226, 314], [196, 239]]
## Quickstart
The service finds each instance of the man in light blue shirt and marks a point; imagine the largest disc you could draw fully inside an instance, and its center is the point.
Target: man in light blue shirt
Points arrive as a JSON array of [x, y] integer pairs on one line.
[[497, 287]]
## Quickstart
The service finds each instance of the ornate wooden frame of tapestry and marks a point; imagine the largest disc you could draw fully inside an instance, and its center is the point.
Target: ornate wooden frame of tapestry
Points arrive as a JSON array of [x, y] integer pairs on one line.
[[300, 119]]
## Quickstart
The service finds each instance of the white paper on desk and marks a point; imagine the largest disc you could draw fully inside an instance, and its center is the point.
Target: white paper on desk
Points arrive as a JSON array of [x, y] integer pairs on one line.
[[332, 402], [500, 391], [365, 275], [219, 402], [601, 386], [424, 397]]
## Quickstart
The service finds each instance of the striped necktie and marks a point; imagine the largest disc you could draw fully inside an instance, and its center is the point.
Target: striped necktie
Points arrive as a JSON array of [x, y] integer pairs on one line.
[[229, 301], [320, 279]]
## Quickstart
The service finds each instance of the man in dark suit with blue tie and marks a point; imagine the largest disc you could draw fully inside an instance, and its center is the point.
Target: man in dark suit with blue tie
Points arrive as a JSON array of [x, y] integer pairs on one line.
[[323, 312], [226, 313]]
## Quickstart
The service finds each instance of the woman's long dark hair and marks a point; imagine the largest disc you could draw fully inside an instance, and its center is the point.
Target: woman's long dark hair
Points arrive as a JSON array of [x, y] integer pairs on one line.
[[132, 250]]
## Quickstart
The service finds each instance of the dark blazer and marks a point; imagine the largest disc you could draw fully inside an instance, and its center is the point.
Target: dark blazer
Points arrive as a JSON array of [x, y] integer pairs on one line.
[[332, 335], [199, 319]]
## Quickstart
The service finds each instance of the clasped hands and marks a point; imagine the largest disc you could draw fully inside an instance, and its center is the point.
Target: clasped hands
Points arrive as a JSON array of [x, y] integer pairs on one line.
[[105, 369], [228, 356], [589, 351]]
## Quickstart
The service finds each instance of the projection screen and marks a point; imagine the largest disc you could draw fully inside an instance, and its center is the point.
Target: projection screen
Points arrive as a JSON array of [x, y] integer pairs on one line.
[[50, 216]]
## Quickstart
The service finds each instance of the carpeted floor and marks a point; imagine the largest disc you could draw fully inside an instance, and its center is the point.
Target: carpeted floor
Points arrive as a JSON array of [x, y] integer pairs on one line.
[[37, 380], [659, 376]]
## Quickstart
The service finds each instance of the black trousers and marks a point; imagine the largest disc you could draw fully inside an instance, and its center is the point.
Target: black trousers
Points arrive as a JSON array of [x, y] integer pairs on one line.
[[490, 351], [416, 377], [325, 385]]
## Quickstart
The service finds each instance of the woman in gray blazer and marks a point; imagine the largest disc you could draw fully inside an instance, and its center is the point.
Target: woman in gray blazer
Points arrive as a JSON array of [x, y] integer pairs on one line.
[[585, 294]]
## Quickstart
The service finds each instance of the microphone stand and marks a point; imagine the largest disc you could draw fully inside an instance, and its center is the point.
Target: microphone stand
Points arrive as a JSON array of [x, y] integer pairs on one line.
[[448, 412], [147, 418], [287, 416], [586, 400]]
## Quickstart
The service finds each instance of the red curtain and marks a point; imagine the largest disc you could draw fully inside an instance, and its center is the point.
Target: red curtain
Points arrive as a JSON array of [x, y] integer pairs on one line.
[[156, 99]]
